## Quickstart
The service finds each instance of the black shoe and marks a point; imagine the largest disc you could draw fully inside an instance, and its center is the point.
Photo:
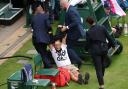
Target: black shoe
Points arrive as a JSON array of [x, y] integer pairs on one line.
[[87, 77], [79, 66], [80, 79]]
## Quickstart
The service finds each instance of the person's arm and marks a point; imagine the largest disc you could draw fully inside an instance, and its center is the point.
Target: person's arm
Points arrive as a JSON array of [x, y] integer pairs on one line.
[[48, 25], [88, 42], [75, 21], [62, 28], [74, 18], [49, 28], [51, 46], [109, 37], [64, 39]]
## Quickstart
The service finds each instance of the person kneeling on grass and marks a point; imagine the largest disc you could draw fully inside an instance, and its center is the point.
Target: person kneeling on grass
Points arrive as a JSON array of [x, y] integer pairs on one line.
[[61, 58]]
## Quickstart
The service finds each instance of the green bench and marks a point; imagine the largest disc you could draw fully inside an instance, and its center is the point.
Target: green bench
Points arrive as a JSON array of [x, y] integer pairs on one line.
[[1, 13], [15, 82], [111, 51], [43, 83], [41, 71], [102, 20]]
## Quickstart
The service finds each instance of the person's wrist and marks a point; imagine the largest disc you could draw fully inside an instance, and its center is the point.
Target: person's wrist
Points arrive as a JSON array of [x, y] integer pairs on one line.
[[67, 27], [50, 32]]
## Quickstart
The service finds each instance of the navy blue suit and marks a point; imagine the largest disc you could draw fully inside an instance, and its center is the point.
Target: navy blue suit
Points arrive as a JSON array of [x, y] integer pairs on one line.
[[41, 38], [73, 21], [95, 37], [75, 31], [41, 27]]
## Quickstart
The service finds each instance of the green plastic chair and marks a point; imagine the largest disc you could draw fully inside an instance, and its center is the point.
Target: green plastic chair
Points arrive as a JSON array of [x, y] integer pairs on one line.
[[15, 80], [40, 70]]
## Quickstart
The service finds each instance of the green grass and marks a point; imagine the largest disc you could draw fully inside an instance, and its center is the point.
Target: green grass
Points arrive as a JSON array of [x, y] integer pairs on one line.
[[10, 66], [116, 76], [114, 21]]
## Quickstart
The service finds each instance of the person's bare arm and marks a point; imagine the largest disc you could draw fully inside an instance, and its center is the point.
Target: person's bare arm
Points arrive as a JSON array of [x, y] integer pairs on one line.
[[50, 46], [64, 39]]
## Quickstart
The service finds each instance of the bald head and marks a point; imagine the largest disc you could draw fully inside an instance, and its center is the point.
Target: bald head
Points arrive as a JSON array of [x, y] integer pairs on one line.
[[64, 4]]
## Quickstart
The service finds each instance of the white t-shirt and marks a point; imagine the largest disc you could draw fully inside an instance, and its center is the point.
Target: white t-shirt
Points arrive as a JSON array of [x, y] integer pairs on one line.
[[61, 58]]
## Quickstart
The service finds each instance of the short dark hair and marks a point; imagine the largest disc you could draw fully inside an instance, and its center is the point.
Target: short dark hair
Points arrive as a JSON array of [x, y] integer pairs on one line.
[[37, 4], [106, 6], [60, 36], [57, 38], [90, 20]]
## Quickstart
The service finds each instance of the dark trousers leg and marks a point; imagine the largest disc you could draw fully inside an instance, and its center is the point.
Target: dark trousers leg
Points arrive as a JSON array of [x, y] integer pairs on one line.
[[103, 66], [75, 59], [100, 69], [42, 50]]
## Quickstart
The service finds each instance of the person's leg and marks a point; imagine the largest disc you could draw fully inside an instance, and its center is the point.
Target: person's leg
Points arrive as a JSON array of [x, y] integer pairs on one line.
[[42, 50], [74, 75], [75, 59], [86, 78], [44, 54], [103, 66], [98, 66]]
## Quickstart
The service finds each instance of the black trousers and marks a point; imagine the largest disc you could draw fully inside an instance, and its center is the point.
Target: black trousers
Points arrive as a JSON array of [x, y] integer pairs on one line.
[[75, 59], [41, 48], [99, 67]]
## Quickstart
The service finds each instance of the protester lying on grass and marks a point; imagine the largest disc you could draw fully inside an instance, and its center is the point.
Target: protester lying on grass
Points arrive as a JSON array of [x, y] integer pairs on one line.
[[61, 58]]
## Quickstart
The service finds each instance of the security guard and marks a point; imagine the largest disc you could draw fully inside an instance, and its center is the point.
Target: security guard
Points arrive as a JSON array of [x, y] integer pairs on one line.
[[41, 32], [98, 47], [74, 28]]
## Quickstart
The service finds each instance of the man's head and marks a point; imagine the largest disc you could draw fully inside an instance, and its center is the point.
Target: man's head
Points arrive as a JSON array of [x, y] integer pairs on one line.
[[64, 4], [90, 21], [38, 7], [57, 44], [107, 9], [58, 40]]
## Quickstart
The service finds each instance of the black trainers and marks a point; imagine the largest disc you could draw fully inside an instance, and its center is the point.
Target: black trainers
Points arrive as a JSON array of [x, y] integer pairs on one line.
[[87, 77], [79, 66], [80, 79]]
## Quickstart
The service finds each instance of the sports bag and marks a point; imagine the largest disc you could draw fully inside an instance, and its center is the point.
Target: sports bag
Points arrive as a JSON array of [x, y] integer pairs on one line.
[[26, 73]]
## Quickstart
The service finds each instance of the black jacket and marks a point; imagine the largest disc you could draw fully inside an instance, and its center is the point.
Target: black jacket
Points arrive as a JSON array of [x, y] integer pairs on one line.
[[95, 36]]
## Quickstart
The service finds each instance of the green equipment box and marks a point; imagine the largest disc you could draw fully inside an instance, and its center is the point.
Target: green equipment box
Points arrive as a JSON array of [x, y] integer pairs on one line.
[[15, 82]]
